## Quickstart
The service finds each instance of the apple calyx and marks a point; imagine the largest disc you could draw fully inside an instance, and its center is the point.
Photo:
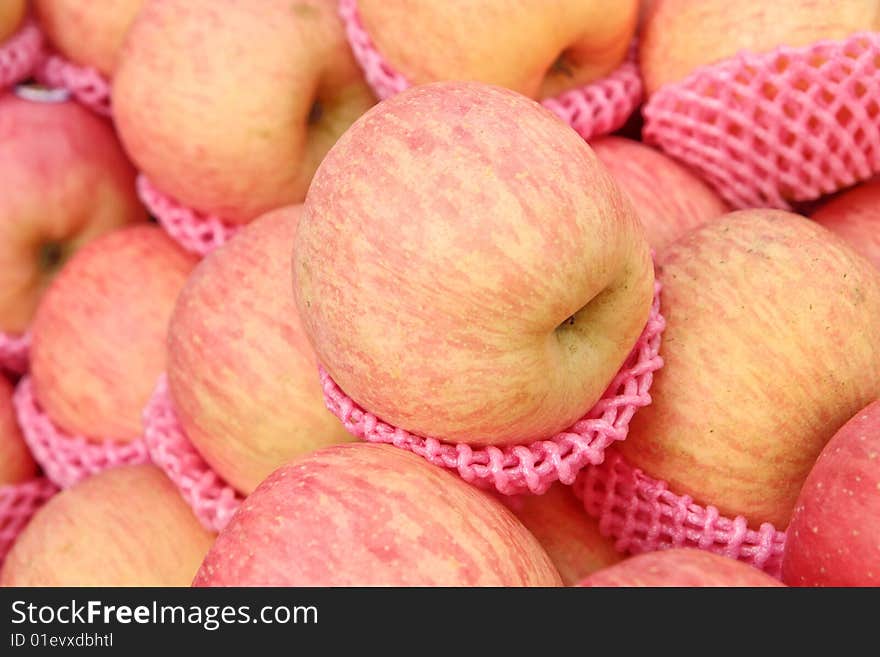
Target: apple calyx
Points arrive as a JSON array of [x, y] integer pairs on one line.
[[316, 112], [569, 331], [570, 321], [562, 65], [51, 256]]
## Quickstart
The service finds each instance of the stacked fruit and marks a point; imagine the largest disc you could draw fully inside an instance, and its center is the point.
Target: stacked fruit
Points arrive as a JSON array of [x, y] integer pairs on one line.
[[367, 293]]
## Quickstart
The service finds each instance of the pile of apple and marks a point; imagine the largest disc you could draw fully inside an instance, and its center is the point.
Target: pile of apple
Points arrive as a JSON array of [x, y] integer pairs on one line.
[[459, 264]]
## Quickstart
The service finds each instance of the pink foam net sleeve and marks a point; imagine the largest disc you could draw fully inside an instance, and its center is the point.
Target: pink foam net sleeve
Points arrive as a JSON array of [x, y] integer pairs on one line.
[[211, 498], [602, 106], [593, 110], [531, 468], [18, 503], [641, 514], [785, 126], [67, 459], [14, 352], [195, 231], [86, 85], [20, 55]]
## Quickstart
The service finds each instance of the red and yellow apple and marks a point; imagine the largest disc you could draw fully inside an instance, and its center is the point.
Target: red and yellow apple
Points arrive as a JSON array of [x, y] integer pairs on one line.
[[229, 105], [242, 374], [372, 515], [16, 462], [570, 537], [537, 48], [834, 536], [645, 8], [669, 199], [466, 268], [66, 181], [681, 567], [12, 13], [126, 526], [855, 216], [87, 33], [98, 337], [678, 36], [771, 346]]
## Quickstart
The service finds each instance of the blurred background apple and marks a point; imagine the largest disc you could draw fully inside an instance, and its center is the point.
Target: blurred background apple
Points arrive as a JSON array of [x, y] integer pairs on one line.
[[668, 198], [16, 462], [126, 526], [87, 33], [229, 106], [242, 374], [537, 48], [66, 181], [854, 215], [12, 13], [680, 568], [570, 537], [98, 338], [372, 515], [679, 36], [834, 536]]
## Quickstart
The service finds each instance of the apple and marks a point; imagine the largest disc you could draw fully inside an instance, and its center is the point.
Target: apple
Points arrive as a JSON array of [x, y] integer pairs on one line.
[[12, 13], [229, 105], [855, 216], [372, 515], [467, 269], [771, 346], [678, 36], [681, 567], [87, 33], [834, 536], [16, 463], [645, 8], [240, 369], [669, 199], [126, 526], [572, 540], [537, 48], [66, 181], [98, 337]]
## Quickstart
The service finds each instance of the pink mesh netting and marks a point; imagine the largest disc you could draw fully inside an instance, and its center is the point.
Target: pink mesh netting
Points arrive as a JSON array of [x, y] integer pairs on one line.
[[84, 83], [18, 502], [14, 352], [596, 109], [786, 126], [195, 231], [20, 55], [67, 459], [642, 515], [211, 498], [534, 467]]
